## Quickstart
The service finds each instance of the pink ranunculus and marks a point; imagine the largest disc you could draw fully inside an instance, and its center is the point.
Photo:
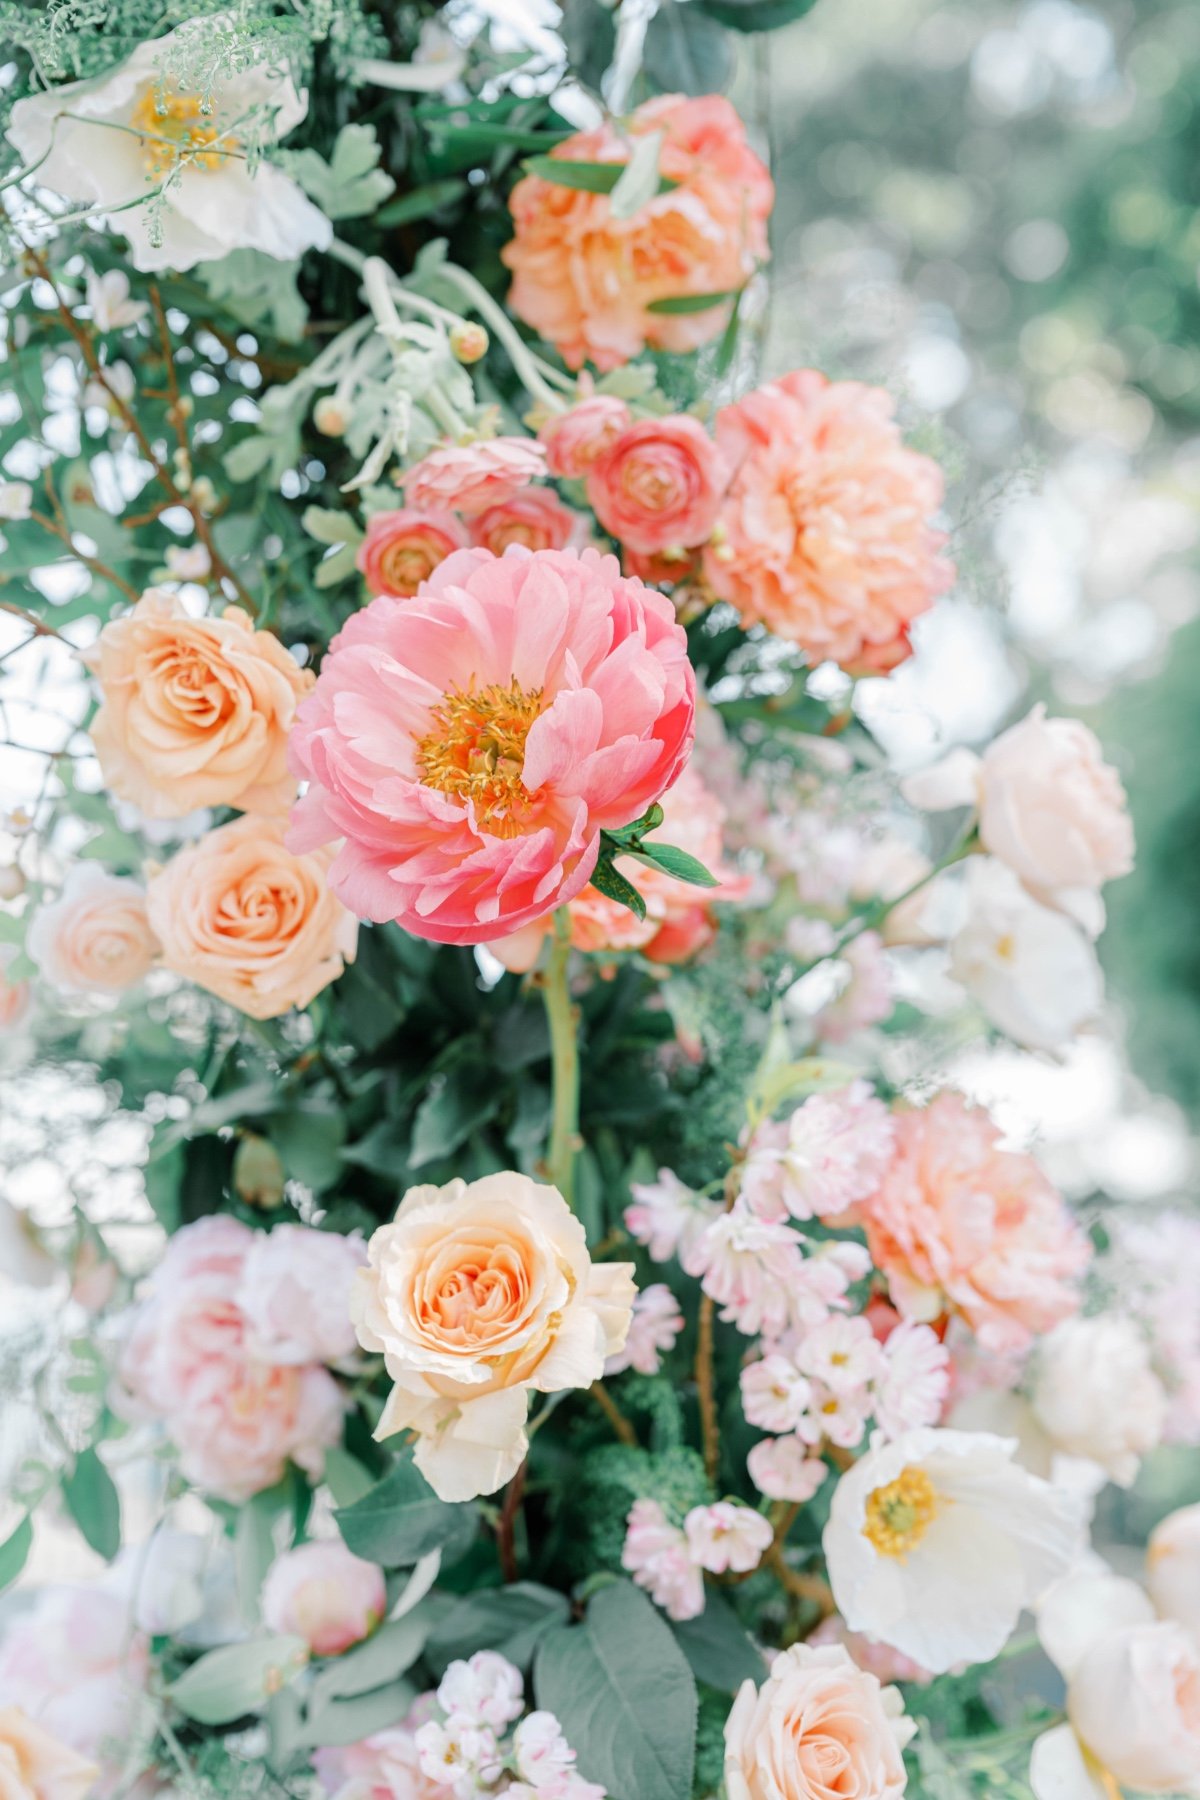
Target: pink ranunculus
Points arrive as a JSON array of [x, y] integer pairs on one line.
[[959, 1223], [573, 440], [535, 518], [468, 478], [658, 486], [586, 280], [402, 548], [322, 1592], [469, 745], [826, 534]]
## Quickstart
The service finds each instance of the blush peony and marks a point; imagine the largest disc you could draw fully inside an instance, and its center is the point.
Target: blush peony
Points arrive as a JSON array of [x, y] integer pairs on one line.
[[825, 533], [959, 1223], [469, 745], [194, 712], [322, 1592], [476, 1293], [74, 1661], [535, 518], [402, 548], [468, 478], [251, 921], [586, 279], [658, 486], [95, 938]]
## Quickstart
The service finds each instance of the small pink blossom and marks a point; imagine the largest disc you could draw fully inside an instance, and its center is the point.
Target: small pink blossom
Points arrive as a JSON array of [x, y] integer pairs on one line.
[[485, 1690], [829, 1155], [840, 1416], [657, 1322], [775, 1395], [667, 1217], [749, 1267], [915, 1380], [842, 1353], [543, 1756], [657, 1555], [462, 1757], [468, 478], [573, 440], [727, 1537], [783, 1468]]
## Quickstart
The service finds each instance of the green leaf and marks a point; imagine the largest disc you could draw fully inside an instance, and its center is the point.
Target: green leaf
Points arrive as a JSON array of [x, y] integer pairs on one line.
[[338, 566], [237, 1679], [258, 289], [360, 1716], [686, 50], [382, 1658], [640, 182], [350, 184], [621, 1689], [608, 880], [673, 861], [346, 1478], [93, 1503], [401, 1518], [464, 1098], [330, 526], [720, 1651], [406, 209], [692, 303], [755, 15], [589, 177], [512, 1620], [14, 1550]]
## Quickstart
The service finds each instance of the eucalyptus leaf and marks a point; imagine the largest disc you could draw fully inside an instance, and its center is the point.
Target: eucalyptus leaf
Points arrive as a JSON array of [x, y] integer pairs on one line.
[[93, 1503], [237, 1678]]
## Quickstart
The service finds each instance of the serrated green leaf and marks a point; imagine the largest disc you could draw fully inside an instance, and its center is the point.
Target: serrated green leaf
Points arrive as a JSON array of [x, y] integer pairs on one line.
[[238, 1678], [511, 1619], [350, 184], [93, 1503], [588, 177], [461, 1100], [721, 1652]]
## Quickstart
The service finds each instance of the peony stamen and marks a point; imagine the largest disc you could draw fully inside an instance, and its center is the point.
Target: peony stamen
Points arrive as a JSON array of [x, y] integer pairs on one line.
[[476, 752]]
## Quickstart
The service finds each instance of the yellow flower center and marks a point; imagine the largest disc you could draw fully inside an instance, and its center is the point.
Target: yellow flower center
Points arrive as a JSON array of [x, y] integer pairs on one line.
[[476, 751], [899, 1515], [174, 130]]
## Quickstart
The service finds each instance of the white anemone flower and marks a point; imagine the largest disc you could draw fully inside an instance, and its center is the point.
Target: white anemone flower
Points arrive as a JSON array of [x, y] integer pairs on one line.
[[1032, 970], [113, 142], [936, 1542]]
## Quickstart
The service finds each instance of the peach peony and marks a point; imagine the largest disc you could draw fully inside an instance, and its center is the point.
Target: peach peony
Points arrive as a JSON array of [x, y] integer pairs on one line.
[[194, 712], [535, 518], [573, 440], [35, 1766], [658, 486], [470, 745], [251, 921], [959, 1223], [95, 938], [476, 1293], [825, 534], [818, 1727], [322, 1592], [402, 549], [471, 477], [585, 279]]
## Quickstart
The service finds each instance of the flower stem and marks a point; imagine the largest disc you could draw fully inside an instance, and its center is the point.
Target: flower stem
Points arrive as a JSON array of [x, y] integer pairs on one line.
[[709, 1429], [564, 1056], [612, 1412]]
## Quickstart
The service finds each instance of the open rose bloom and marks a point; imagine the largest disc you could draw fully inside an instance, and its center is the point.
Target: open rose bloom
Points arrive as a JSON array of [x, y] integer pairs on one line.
[[468, 746]]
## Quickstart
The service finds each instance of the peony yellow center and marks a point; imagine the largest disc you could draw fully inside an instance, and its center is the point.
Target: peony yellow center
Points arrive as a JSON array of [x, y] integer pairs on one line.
[[899, 1515], [475, 751], [173, 129]]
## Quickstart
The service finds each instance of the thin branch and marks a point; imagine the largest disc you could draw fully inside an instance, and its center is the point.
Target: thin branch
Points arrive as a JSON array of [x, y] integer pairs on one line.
[[612, 1412], [38, 626], [709, 1429], [506, 1529]]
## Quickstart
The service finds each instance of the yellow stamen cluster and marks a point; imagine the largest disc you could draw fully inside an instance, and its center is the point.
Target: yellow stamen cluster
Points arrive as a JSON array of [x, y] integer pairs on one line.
[[476, 751], [899, 1515], [173, 128]]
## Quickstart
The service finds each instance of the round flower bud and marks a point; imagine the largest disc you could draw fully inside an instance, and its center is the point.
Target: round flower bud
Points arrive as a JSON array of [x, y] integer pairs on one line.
[[468, 341]]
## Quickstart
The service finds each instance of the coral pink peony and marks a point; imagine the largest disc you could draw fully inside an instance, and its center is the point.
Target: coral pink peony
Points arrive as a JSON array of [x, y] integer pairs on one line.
[[573, 440], [658, 486], [469, 745], [958, 1222], [402, 548], [535, 518], [471, 477], [825, 534], [322, 1592], [585, 279]]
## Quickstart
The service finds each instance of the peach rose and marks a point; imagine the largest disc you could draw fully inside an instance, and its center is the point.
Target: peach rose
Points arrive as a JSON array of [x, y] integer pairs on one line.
[[658, 487], [35, 1766], [251, 921], [322, 1592], [535, 517], [476, 1293], [95, 938], [586, 280], [471, 477], [194, 712], [573, 440], [818, 1727], [402, 549], [1134, 1703]]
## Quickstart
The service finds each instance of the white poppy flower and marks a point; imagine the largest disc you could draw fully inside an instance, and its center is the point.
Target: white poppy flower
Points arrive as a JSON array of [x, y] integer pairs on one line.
[[936, 1542], [105, 143], [1033, 971]]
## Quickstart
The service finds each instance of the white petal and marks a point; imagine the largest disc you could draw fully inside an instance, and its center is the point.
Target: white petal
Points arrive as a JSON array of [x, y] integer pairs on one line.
[[1080, 1608], [952, 782], [1059, 1770]]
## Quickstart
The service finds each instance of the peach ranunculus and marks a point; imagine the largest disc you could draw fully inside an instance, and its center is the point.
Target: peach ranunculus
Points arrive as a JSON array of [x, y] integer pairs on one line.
[[477, 1293], [818, 1727], [535, 518], [585, 279], [194, 712], [469, 745], [35, 1766], [402, 548], [959, 1223], [658, 487], [322, 1592], [826, 534], [574, 439], [251, 921], [468, 478], [95, 938], [190, 1363]]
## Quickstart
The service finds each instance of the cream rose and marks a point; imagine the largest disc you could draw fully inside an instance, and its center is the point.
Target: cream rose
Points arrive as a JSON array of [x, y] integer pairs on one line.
[[35, 1766], [194, 712], [255, 924], [95, 938], [476, 1293], [1134, 1703], [818, 1726], [1173, 1567]]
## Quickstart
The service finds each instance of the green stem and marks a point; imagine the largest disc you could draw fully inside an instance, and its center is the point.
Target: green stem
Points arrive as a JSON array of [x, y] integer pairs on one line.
[[564, 1056], [873, 916]]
